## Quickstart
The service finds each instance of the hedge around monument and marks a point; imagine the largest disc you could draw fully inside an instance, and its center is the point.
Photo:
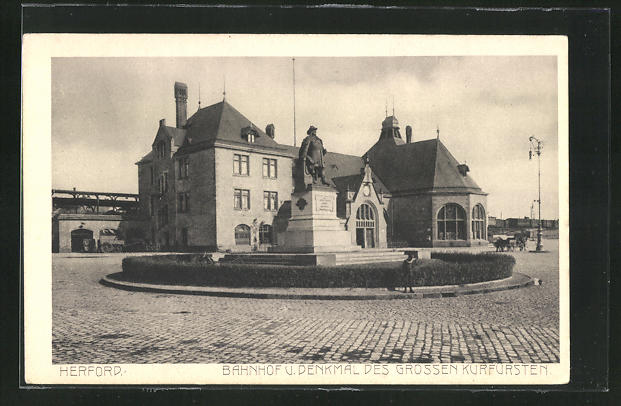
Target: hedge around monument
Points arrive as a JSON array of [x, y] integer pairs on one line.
[[441, 269]]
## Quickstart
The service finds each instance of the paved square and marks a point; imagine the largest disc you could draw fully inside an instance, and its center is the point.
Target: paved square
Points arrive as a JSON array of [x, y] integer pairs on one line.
[[97, 324]]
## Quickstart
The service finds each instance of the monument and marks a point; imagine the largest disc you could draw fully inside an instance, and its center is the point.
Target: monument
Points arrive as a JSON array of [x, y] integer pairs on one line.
[[314, 225]]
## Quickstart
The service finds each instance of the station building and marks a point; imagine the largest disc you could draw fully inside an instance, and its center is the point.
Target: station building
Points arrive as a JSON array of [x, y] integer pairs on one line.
[[216, 180]]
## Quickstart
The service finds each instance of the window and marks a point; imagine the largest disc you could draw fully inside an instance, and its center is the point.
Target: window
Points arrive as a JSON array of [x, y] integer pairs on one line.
[[152, 175], [183, 202], [265, 234], [163, 215], [240, 164], [163, 183], [249, 134], [242, 234], [478, 222], [183, 165], [365, 226], [270, 200], [160, 149], [452, 222], [269, 168], [152, 205], [184, 237], [241, 199]]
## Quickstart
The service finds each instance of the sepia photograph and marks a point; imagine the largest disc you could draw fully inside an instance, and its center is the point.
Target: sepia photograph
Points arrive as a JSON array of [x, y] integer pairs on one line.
[[275, 210]]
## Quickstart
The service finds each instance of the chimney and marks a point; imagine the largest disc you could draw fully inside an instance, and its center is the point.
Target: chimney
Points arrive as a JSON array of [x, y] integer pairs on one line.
[[163, 122], [269, 130], [408, 134], [181, 100]]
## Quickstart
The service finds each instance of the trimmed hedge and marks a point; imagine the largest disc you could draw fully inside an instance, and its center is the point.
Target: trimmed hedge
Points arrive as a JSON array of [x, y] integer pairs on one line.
[[442, 269]]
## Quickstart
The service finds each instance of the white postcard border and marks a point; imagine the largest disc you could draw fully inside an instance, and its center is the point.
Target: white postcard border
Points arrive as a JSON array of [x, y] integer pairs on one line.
[[38, 49]]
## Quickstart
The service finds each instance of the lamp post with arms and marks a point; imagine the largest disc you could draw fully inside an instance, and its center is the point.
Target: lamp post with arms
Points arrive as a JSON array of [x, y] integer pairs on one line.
[[536, 146]]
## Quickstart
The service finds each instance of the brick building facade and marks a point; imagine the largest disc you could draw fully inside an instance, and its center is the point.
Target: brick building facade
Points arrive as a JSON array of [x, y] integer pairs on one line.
[[216, 180]]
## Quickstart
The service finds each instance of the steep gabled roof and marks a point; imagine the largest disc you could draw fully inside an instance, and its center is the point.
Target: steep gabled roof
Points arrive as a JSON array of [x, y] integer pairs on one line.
[[353, 182], [349, 182], [419, 166], [342, 165], [146, 159], [222, 122], [177, 134], [336, 165]]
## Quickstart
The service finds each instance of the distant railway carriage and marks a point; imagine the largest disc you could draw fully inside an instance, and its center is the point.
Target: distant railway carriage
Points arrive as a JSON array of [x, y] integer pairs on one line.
[[109, 240]]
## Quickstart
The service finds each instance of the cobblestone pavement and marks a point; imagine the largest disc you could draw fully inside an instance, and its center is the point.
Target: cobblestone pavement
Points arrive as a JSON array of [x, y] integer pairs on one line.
[[97, 324]]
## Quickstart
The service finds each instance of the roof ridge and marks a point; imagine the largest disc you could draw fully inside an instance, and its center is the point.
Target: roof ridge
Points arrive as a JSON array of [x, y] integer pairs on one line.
[[217, 134], [435, 163]]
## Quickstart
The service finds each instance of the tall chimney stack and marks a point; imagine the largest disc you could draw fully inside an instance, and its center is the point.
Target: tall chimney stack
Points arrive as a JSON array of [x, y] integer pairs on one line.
[[408, 134], [270, 131], [181, 100]]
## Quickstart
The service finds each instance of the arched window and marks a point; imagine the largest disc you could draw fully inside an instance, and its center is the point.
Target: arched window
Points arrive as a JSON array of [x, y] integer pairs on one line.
[[365, 226], [242, 234], [452, 222], [478, 222], [265, 234], [365, 217]]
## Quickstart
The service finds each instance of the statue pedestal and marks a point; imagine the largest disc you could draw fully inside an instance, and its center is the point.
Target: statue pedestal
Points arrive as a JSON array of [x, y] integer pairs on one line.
[[314, 226]]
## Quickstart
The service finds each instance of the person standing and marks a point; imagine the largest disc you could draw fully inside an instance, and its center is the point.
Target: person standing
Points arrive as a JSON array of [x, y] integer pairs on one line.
[[408, 272]]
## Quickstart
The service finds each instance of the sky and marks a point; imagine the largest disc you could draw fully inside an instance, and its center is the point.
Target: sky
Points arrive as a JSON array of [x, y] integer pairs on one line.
[[106, 112]]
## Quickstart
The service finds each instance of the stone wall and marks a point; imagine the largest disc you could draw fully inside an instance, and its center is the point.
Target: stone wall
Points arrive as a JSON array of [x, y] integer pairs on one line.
[[411, 219], [200, 219], [63, 224]]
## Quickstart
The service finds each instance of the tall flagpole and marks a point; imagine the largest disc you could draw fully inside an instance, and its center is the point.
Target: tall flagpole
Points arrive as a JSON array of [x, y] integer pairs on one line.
[[294, 127]]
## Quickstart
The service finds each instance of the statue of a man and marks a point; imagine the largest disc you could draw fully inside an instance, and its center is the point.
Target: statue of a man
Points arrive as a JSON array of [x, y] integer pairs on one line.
[[311, 156]]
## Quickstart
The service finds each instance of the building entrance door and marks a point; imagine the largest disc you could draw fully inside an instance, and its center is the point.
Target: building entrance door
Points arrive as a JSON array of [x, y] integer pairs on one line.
[[370, 238], [365, 226], [81, 240]]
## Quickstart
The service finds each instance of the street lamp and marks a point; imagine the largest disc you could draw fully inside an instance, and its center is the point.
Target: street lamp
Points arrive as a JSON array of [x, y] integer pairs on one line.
[[536, 146]]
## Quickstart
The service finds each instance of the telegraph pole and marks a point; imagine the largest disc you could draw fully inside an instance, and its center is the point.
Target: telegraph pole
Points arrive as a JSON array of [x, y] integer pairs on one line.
[[536, 146]]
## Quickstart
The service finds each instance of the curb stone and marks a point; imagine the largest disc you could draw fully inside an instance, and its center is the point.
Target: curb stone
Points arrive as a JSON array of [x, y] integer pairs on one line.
[[517, 280]]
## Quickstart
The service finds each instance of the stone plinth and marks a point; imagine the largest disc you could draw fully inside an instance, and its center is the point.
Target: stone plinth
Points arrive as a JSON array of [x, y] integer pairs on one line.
[[314, 226]]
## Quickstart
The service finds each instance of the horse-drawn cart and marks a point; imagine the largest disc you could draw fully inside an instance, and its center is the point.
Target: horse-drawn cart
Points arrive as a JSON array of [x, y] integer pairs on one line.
[[504, 242]]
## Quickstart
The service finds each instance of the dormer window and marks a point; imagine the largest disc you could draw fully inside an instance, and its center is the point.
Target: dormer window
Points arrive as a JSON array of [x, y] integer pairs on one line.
[[160, 149], [249, 134], [463, 169]]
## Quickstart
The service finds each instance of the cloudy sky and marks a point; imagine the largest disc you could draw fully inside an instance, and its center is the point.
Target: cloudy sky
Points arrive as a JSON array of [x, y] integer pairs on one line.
[[105, 112]]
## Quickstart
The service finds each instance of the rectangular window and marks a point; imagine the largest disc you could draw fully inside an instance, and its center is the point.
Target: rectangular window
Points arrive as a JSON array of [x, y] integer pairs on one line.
[[240, 164], [183, 202], [241, 199], [265, 234], [269, 168], [184, 237], [161, 149], [164, 183], [270, 200], [183, 165], [152, 205], [152, 175], [163, 215]]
